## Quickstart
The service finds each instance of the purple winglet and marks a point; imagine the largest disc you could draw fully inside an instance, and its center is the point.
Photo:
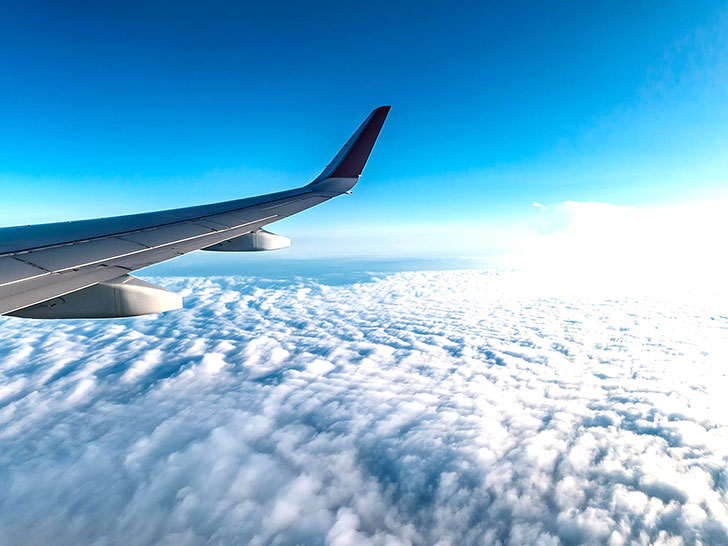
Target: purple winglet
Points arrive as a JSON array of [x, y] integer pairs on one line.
[[350, 160]]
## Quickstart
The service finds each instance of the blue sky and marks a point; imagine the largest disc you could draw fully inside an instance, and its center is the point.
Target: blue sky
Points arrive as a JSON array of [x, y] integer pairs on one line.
[[120, 107]]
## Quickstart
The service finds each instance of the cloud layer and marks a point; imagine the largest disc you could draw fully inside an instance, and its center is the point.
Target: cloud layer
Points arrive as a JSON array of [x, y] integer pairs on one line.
[[419, 408]]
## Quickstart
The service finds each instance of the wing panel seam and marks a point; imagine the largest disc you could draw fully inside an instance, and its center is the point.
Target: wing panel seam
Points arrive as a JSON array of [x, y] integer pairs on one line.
[[109, 258]]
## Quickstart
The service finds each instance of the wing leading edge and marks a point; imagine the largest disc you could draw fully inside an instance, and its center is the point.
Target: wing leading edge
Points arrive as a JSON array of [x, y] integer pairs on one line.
[[45, 263]]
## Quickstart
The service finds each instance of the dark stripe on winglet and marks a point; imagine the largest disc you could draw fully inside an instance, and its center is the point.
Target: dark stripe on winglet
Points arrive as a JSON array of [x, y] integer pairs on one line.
[[350, 160]]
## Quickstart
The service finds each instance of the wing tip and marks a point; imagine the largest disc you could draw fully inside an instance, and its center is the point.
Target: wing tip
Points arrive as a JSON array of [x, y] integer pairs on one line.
[[352, 158]]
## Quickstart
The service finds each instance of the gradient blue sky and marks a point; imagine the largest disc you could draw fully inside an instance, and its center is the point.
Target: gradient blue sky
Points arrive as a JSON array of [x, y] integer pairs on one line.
[[119, 107]]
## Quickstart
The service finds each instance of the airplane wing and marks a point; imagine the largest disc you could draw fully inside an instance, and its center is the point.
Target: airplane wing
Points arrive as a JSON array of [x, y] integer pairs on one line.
[[81, 269]]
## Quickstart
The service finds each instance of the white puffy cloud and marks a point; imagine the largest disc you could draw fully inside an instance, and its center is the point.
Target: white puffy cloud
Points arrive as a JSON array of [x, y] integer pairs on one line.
[[624, 246], [459, 407]]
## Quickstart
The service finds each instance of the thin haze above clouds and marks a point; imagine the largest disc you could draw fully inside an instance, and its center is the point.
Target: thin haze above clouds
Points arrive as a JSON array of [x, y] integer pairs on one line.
[[669, 247], [460, 407]]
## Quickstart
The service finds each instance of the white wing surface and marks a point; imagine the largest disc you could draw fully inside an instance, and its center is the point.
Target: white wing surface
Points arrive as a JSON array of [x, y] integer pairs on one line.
[[80, 269]]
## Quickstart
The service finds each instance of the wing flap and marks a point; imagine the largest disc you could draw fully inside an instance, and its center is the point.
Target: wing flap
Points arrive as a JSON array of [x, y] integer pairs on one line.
[[14, 270], [39, 289], [77, 255], [179, 232]]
